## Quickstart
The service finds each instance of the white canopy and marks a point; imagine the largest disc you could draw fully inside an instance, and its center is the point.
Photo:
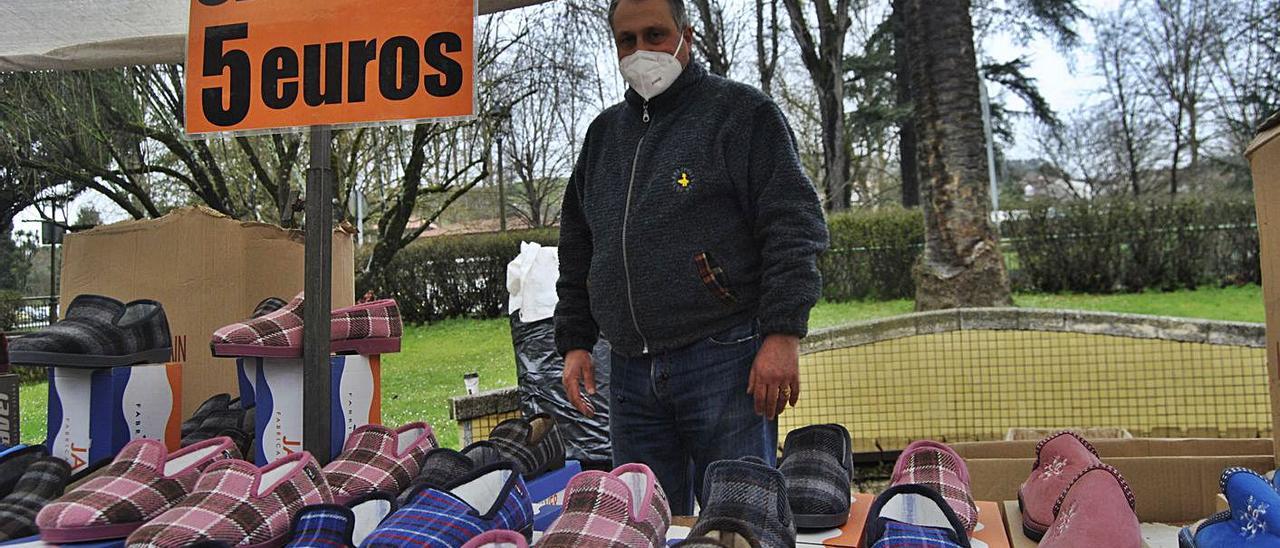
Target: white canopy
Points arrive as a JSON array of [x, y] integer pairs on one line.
[[85, 34]]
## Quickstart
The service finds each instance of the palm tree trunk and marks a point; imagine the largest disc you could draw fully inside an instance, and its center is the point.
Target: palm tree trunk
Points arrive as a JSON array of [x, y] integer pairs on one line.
[[961, 265]]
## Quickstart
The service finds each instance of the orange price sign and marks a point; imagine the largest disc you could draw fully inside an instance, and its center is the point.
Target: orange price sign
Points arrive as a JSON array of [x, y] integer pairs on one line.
[[261, 65]]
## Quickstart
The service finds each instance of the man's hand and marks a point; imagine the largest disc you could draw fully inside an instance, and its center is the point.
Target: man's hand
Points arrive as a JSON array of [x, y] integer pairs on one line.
[[775, 375], [579, 371]]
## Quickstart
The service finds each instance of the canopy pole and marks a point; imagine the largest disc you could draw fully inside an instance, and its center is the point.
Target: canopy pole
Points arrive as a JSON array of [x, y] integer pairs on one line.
[[316, 384]]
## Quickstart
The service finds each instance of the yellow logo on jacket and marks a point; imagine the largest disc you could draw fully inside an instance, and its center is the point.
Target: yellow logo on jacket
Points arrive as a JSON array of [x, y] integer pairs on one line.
[[684, 181]]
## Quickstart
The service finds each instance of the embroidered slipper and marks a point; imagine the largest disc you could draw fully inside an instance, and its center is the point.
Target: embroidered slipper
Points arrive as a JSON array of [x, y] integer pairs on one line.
[[377, 458], [1097, 509], [1059, 459], [141, 483], [240, 504], [1253, 519]]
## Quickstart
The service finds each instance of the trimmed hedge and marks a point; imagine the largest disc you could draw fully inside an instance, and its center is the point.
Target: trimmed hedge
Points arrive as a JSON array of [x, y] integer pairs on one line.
[[1114, 245], [454, 276], [1088, 247], [872, 253]]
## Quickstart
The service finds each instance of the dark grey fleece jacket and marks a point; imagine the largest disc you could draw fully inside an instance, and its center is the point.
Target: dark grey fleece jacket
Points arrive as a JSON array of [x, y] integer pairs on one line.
[[685, 216]]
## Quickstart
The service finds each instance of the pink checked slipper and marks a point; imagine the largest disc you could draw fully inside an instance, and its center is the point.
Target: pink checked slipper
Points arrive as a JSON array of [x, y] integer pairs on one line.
[[143, 481], [366, 328]]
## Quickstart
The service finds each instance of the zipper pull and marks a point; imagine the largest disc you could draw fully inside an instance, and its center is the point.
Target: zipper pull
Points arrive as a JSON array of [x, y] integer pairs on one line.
[[646, 112]]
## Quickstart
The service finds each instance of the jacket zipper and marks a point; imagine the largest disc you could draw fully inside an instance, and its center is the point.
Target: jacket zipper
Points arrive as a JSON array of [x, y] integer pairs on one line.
[[626, 217]]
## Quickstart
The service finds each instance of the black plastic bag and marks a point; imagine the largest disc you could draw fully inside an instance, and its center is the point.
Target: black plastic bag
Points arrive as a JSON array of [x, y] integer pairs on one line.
[[538, 371]]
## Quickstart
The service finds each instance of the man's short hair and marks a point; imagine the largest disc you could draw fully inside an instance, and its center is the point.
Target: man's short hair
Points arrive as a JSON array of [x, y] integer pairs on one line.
[[677, 10]]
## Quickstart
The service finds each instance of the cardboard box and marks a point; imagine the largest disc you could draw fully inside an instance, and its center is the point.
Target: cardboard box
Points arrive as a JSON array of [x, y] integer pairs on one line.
[[1264, 158], [1153, 534], [277, 392], [10, 416], [1174, 480], [207, 270], [93, 413]]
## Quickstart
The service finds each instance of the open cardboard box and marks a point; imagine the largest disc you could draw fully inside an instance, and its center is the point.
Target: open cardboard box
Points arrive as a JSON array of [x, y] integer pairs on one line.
[[1174, 480], [207, 269], [1264, 157]]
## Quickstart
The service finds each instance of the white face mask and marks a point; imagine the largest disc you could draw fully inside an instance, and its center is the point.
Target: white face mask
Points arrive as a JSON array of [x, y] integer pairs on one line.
[[651, 72]]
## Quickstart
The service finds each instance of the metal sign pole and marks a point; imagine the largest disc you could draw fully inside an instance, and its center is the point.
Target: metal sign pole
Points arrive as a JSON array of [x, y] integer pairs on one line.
[[316, 385]]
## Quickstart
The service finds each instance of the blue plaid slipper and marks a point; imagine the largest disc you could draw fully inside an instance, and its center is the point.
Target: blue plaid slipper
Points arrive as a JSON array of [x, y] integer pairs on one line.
[[818, 465], [330, 525], [1252, 522], [492, 497], [911, 515]]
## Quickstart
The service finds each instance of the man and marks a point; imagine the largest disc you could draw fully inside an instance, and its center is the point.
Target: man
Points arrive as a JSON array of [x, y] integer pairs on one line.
[[689, 240]]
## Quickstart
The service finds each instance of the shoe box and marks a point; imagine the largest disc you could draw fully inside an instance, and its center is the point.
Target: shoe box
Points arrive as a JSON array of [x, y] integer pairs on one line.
[[274, 387], [10, 423], [1174, 480], [93, 413]]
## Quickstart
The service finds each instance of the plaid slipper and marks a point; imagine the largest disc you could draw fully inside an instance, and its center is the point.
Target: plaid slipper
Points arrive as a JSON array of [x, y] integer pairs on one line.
[[267, 306], [219, 402], [331, 525], [368, 328], [43, 481], [1097, 509], [817, 463], [240, 504], [499, 538], [493, 497], [749, 491], [912, 515], [229, 423], [623, 508], [1059, 459], [446, 466], [534, 444], [939, 467], [721, 533], [14, 463], [140, 484], [377, 458], [99, 332]]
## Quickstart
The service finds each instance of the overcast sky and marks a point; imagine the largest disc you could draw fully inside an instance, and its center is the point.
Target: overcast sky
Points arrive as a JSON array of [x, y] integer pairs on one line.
[[1066, 81]]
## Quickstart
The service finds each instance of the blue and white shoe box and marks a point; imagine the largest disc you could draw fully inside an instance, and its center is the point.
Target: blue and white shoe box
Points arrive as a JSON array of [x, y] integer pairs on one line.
[[274, 386], [93, 413]]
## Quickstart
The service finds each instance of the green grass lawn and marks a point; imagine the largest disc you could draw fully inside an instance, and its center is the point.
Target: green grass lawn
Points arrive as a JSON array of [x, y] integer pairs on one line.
[[418, 382]]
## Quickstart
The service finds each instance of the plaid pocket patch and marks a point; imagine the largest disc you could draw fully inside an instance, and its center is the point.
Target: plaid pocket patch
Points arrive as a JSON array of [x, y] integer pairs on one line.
[[713, 277]]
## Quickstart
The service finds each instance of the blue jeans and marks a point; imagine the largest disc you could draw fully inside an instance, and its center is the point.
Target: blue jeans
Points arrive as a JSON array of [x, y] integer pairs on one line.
[[680, 411]]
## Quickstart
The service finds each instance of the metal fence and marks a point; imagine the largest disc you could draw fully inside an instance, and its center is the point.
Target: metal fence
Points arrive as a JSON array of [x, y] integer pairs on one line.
[[971, 375], [32, 313]]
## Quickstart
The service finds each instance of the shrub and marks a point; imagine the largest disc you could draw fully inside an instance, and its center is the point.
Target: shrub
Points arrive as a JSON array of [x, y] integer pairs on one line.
[[454, 276], [1123, 244], [871, 254]]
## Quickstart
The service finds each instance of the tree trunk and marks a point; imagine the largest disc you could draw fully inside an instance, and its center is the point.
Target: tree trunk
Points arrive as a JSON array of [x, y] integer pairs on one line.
[[711, 40], [909, 169], [766, 45], [824, 59], [961, 265]]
